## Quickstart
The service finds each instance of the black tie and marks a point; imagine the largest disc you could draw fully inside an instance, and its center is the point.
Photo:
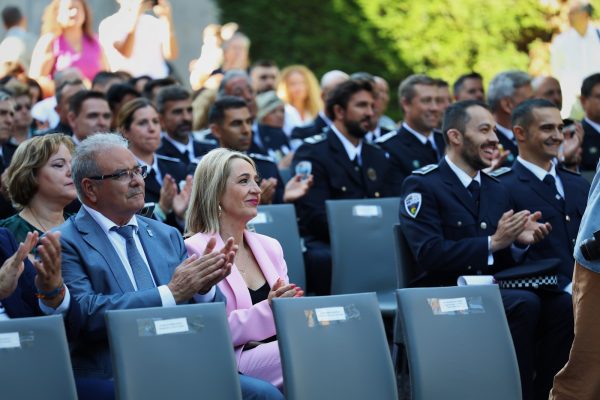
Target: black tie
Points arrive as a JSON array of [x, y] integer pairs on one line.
[[551, 182], [141, 273], [433, 151], [474, 189], [185, 157]]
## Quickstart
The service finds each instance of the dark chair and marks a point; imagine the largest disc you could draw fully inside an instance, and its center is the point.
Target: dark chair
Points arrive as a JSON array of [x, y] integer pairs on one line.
[[181, 352], [334, 347], [362, 248], [458, 344], [34, 359], [279, 222]]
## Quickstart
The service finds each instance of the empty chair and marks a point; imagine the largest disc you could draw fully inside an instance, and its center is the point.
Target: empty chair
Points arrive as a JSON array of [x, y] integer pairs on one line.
[[279, 222], [34, 359], [181, 352], [334, 347], [458, 344], [362, 248]]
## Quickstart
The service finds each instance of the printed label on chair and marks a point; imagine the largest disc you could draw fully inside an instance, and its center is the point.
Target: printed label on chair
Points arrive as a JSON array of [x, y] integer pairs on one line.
[[9, 340], [174, 325], [366, 211], [456, 306], [330, 314]]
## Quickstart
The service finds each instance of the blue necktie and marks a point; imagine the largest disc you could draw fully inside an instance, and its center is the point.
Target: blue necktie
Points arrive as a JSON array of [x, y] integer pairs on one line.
[[141, 273]]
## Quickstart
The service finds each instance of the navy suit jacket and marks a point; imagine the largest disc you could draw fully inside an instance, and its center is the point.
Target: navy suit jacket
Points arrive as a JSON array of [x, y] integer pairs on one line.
[[314, 128], [22, 302], [448, 235], [99, 282], [590, 147], [529, 193], [335, 178], [169, 150], [407, 154]]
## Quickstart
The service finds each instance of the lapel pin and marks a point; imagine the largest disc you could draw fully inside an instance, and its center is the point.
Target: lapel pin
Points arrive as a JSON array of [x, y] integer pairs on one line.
[[150, 233]]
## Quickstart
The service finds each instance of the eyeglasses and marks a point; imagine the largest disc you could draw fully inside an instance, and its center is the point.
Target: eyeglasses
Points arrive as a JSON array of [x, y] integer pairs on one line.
[[124, 176]]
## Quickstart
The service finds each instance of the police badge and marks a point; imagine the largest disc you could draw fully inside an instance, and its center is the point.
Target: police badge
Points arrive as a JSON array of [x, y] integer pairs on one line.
[[412, 204]]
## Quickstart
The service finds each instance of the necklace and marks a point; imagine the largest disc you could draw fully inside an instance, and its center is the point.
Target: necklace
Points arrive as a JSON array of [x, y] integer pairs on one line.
[[44, 229]]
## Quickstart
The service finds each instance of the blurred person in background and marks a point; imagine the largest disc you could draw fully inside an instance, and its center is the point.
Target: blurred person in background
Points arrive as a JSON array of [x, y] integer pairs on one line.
[[66, 41], [269, 127], [298, 88], [117, 96], [138, 42], [264, 74], [22, 128], [63, 95], [469, 87], [18, 44]]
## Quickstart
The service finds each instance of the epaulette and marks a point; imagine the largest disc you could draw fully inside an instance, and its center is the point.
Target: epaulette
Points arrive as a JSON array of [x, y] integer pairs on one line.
[[203, 137], [426, 169], [386, 137], [565, 169], [166, 158], [499, 172], [261, 157], [316, 138]]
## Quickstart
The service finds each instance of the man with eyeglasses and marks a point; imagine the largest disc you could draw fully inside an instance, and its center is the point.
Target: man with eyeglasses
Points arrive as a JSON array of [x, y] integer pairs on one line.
[[114, 259]]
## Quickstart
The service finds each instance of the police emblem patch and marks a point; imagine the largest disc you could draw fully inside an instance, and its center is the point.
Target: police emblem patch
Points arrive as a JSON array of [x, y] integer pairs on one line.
[[412, 204], [372, 174]]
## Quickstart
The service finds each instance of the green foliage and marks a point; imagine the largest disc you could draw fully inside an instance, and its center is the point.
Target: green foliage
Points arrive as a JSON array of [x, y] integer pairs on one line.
[[393, 38]]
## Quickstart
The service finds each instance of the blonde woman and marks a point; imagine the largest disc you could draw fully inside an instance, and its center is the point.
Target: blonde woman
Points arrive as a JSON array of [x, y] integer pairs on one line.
[[299, 89], [225, 196]]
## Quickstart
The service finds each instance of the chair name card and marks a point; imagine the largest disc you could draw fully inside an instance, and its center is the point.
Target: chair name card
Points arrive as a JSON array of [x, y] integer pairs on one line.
[[173, 325], [9, 340], [366, 211], [330, 314]]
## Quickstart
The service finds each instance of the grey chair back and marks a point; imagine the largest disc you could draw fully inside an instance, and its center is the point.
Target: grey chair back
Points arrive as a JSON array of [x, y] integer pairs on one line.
[[279, 222], [334, 347], [34, 359], [362, 248], [182, 352], [458, 344]]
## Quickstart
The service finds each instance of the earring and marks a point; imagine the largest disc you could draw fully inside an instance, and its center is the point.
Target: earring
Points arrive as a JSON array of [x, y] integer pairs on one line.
[[220, 211]]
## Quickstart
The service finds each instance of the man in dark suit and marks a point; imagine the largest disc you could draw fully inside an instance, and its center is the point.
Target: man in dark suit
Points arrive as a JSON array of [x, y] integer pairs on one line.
[[460, 221], [344, 166], [536, 183], [113, 259], [590, 101], [416, 144], [7, 120], [506, 91], [174, 105]]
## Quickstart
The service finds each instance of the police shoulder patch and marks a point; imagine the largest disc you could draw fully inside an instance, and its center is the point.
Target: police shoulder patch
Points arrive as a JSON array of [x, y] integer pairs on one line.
[[412, 204], [386, 137], [499, 172], [316, 138], [426, 169]]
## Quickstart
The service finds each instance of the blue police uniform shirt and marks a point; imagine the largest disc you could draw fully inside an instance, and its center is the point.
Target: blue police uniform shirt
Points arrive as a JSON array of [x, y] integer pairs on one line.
[[589, 224]]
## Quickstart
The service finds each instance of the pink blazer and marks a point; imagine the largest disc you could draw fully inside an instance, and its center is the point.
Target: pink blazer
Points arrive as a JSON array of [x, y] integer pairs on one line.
[[247, 322]]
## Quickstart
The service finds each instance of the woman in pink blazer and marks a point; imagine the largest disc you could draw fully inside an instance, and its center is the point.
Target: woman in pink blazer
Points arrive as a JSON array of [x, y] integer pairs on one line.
[[224, 198]]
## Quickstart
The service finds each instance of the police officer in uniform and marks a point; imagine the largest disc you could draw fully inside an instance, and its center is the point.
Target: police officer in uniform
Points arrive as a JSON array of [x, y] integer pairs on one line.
[[459, 221], [536, 183], [417, 143], [344, 166]]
